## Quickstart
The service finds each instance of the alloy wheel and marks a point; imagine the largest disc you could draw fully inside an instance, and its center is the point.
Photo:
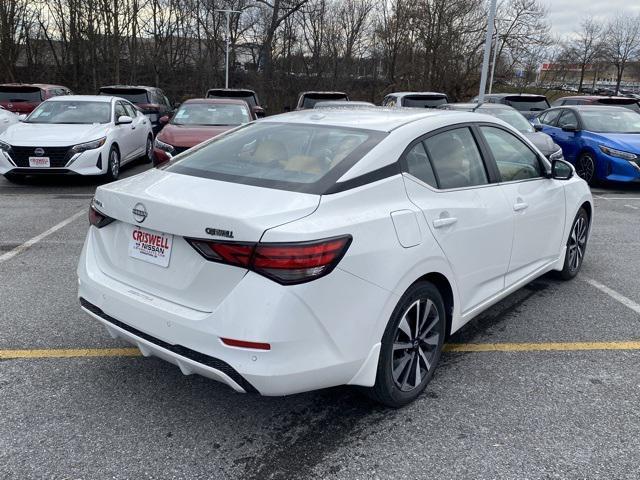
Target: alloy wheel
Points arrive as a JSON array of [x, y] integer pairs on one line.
[[149, 149], [415, 346], [114, 161], [577, 243], [585, 168]]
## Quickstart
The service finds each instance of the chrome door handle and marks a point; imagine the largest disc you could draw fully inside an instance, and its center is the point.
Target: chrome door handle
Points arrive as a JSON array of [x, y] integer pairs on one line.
[[443, 222], [520, 206]]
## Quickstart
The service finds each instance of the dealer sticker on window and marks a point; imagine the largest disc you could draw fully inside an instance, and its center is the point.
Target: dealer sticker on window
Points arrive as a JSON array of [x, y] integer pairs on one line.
[[150, 246]]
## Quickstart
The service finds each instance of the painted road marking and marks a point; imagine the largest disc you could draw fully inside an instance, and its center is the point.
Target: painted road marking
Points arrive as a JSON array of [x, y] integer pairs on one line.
[[450, 347], [32, 241], [627, 302], [600, 197], [540, 347], [70, 353]]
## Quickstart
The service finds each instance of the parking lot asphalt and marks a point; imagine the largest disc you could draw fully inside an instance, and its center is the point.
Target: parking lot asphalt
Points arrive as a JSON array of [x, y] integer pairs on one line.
[[528, 413]]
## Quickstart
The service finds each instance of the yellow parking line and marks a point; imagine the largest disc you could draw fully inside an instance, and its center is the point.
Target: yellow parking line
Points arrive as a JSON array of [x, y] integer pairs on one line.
[[450, 347], [70, 353], [540, 347]]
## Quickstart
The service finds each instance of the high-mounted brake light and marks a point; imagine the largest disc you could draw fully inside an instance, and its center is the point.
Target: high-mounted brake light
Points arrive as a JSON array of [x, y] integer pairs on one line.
[[285, 263], [98, 219]]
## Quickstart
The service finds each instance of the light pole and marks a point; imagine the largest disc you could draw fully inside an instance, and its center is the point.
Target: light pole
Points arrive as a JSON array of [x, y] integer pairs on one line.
[[487, 51], [493, 61], [228, 35]]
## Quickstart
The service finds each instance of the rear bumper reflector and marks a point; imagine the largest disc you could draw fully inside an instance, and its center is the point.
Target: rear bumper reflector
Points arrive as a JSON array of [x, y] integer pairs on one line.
[[244, 344], [198, 357]]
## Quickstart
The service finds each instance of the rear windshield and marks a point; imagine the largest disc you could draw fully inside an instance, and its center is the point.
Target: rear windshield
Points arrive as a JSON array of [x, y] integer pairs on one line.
[[310, 100], [528, 104], [629, 103], [211, 114], [71, 112], [247, 97], [607, 120], [132, 94], [297, 157], [20, 94], [422, 101]]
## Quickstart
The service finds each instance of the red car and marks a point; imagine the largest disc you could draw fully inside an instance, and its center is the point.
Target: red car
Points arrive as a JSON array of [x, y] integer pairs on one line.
[[24, 97], [630, 103], [197, 120]]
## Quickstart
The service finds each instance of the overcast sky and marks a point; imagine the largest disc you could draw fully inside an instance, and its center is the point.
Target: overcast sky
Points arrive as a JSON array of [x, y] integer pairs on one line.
[[565, 15]]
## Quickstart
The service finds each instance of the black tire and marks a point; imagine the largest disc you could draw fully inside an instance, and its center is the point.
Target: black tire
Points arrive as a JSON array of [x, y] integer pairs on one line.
[[401, 378], [586, 168], [148, 151], [17, 179], [113, 165], [576, 246]]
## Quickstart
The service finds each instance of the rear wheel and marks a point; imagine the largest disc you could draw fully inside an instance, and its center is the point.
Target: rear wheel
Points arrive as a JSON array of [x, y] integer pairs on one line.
[[113, 165], [586, 168], [576, 246], [411, 346]]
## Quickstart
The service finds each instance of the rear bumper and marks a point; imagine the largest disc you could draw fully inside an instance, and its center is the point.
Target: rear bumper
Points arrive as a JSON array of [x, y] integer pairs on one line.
[[321, 333]]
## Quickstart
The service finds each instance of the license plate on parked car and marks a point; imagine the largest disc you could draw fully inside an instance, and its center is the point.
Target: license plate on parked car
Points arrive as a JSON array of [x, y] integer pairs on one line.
[[39, 162], [150, 246]]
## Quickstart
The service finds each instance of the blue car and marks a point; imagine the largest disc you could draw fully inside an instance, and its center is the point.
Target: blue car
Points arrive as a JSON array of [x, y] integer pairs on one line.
[[602, 142]]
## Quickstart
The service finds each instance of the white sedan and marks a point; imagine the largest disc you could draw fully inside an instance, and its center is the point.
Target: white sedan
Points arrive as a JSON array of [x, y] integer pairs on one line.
[[76, 134], [7, 119], [321, 248]]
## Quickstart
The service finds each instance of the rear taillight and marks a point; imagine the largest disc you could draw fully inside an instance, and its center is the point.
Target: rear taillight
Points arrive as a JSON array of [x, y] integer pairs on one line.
[[285, 263], [98, 219]]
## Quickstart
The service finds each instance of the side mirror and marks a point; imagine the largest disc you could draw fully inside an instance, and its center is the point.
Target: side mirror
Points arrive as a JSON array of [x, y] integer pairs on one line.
[[286, 108], [22, 117], [164, 119], [570, 127], [258, 111], [561, 170], [124, 119], [538, 127]]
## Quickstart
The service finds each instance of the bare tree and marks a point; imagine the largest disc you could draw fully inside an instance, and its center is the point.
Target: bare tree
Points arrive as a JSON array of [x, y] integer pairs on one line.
[[622, 42], [586, 46]]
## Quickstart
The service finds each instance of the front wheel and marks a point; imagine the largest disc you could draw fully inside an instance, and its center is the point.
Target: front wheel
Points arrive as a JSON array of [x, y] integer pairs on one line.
[[411, 346], [586, 168], [576, 246], [113, 166], [148, 152]]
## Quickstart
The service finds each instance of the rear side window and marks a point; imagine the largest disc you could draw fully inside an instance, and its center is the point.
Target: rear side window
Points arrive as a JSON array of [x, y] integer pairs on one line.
[[514, 159], [456, 159], [297, 157], [419, 166]]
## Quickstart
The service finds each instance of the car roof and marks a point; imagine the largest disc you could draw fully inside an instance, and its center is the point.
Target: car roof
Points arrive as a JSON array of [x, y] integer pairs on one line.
[[590, 108], [471, 105], [503, 95], [226, 101], [37, 85], [595, 97], [247, 90], [140, 87], [83, 98], [322, 92], [342, 104], [381, 119], [404, 94]]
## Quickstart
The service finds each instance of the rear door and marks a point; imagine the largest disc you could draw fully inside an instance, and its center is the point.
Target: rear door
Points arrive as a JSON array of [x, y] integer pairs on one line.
[[468, 215], [537, 203]]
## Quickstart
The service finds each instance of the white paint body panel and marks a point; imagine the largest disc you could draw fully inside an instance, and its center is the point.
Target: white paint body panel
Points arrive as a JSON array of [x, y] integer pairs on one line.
[[328, 331]]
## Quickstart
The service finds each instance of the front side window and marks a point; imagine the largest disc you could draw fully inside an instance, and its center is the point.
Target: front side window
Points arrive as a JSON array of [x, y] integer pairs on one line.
[[297, 157], [211, 114], [550, 117], [456, 159], [567, 118], [419, 166], [73, 112], [119, 111], [514, 159], [131, 110]]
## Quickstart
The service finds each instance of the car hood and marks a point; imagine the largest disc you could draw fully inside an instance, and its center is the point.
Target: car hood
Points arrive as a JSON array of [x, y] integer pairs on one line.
[[542, 141], [629, 142], [43, 134], [189, 136]]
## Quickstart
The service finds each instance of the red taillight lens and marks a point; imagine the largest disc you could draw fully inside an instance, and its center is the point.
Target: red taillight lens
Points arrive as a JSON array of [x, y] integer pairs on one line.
[[285, 263], [98, 219]]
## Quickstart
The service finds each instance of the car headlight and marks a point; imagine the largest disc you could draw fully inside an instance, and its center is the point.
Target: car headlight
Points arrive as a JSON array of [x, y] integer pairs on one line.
[[557, 155], [5, 147], [82, 147], [165, 147], [619, 153]]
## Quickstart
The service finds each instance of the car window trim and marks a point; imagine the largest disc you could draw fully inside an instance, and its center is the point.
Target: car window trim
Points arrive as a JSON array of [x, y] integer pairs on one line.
[[492, 178], [544, 168]]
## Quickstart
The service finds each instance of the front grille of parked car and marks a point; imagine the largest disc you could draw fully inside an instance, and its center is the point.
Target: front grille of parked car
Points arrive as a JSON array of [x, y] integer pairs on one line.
[[178, 150], [198, 357], [58, 156]]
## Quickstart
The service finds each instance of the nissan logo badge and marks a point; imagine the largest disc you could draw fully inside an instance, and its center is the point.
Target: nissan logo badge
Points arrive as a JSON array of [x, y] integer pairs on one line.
[[139, 212], [39, 151]]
